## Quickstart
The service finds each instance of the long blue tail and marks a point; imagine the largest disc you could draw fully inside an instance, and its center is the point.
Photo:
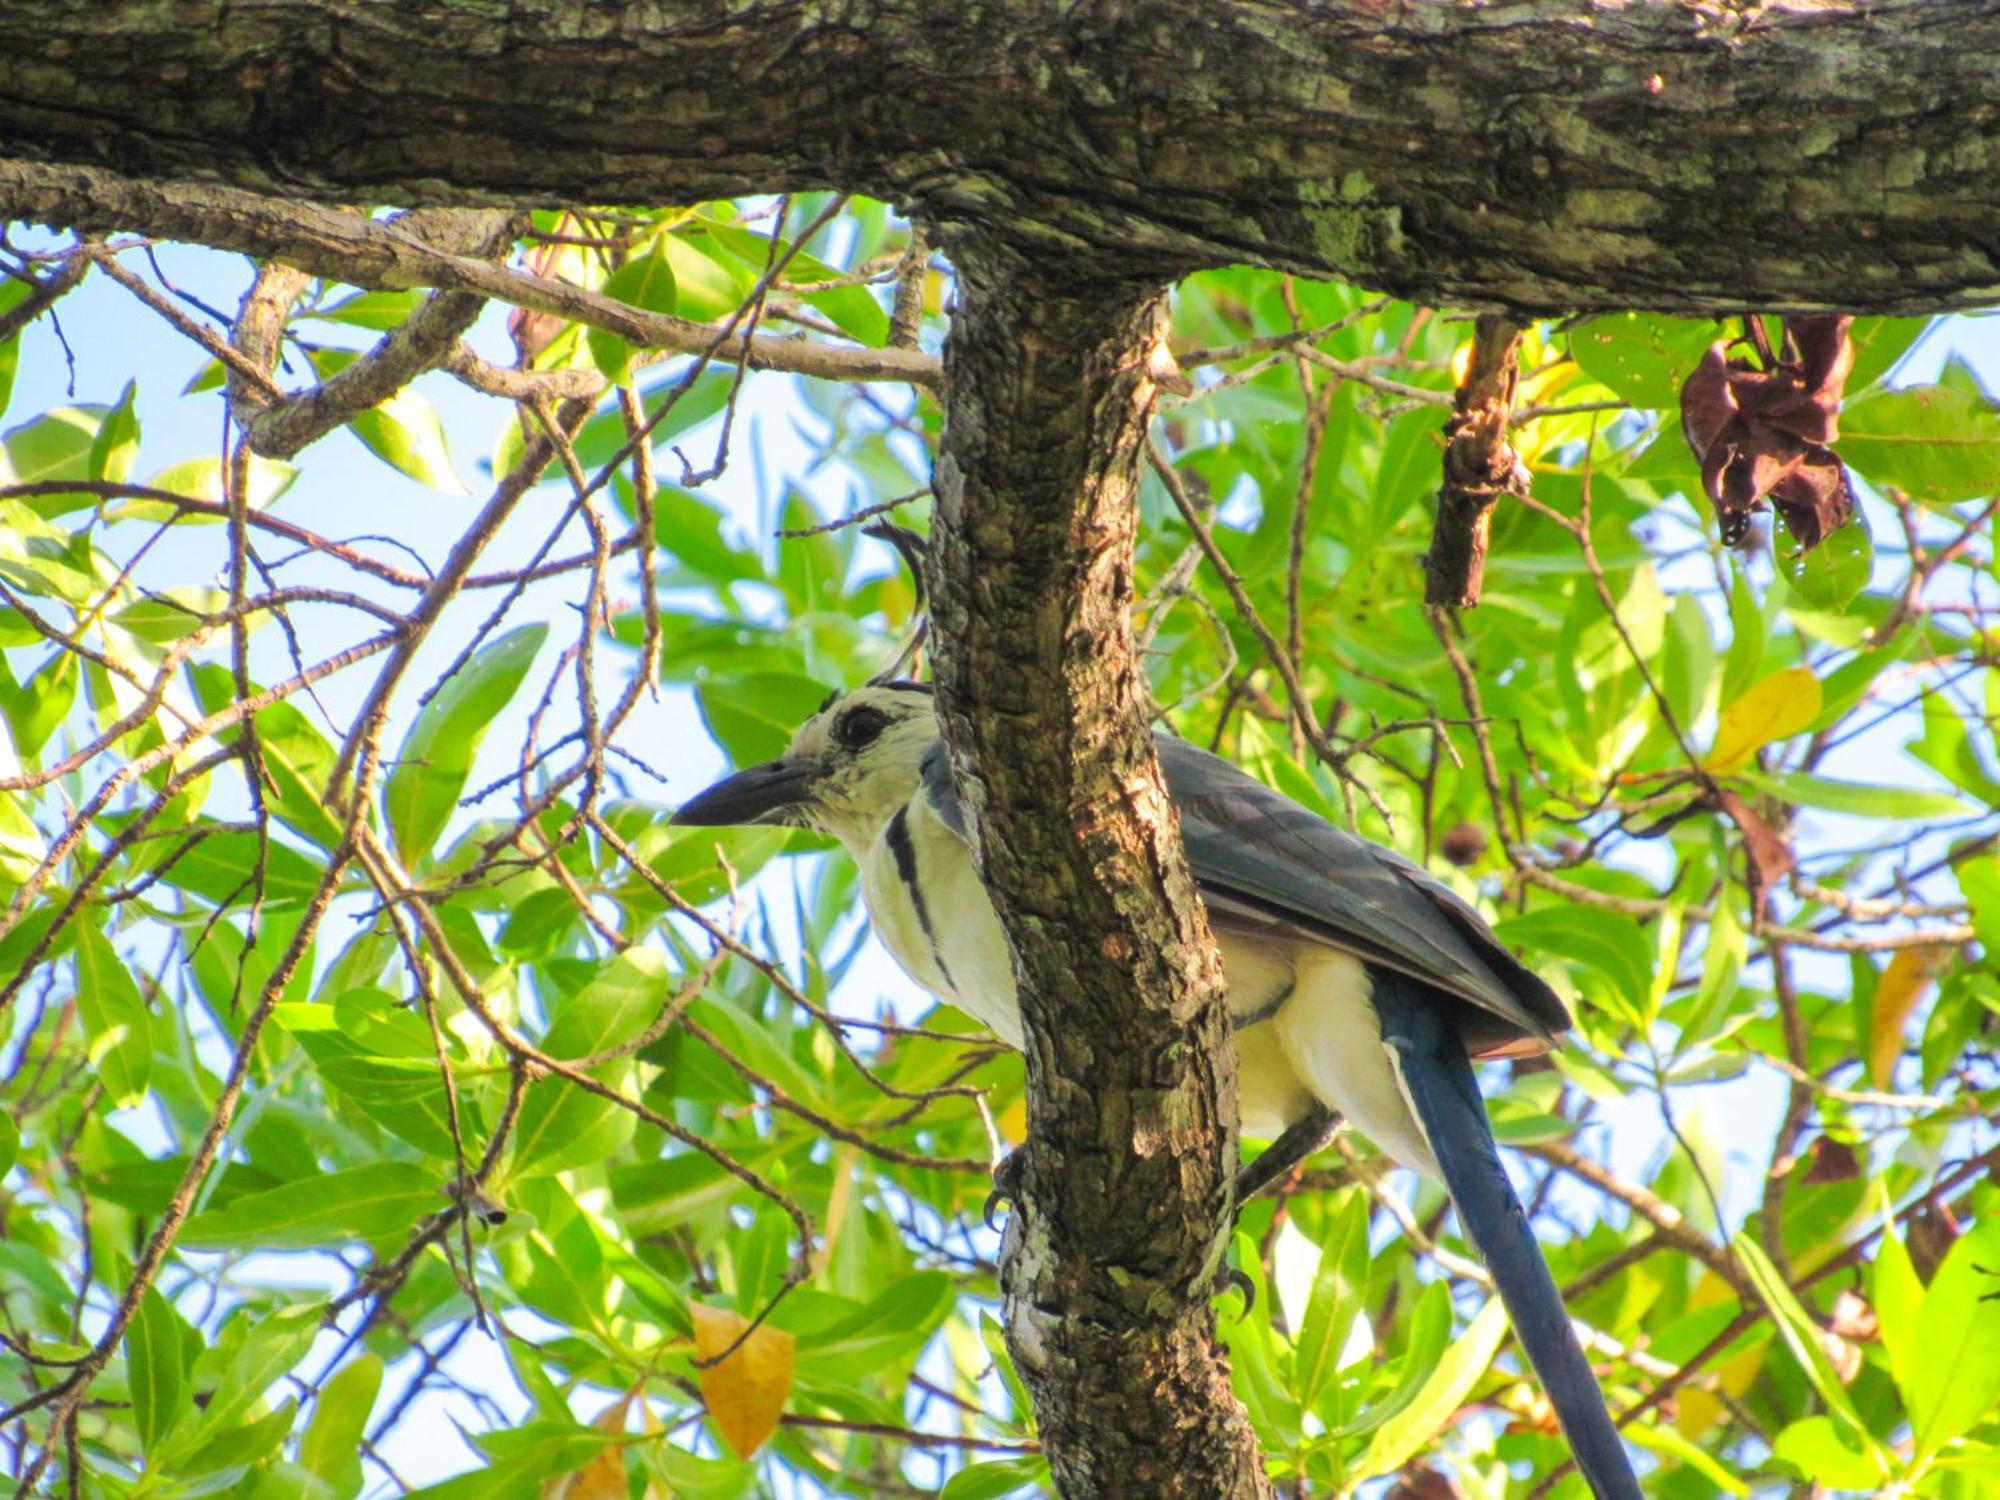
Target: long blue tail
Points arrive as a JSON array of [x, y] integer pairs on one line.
[[1417, 1026]]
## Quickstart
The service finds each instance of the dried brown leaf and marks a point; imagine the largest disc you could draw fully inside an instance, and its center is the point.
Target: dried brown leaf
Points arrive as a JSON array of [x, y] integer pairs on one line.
[[1764, 433]]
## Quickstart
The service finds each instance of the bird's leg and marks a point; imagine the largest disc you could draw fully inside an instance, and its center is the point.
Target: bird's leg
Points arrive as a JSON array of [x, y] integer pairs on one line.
[[1300, 1140]]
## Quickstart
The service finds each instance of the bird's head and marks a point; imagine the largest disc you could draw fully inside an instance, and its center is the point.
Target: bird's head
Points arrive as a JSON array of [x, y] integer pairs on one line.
[[847, 770]]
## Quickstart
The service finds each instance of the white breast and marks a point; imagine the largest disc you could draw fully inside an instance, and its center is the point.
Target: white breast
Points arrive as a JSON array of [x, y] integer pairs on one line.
[[952, 945], [1313, 1035]]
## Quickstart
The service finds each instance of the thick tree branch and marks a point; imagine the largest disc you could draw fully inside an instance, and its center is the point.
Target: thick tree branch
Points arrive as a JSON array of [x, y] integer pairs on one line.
[[342, 245], [422, 342], [1528, 154], [1122, 1225]]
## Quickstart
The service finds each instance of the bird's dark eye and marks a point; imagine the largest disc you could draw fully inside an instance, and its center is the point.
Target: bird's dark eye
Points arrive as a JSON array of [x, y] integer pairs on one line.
[[859, 727]]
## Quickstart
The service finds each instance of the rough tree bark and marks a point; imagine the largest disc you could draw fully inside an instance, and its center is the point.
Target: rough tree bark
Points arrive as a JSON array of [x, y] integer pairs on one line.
[[1523, 155], [1530, 154], [1123, 1218]]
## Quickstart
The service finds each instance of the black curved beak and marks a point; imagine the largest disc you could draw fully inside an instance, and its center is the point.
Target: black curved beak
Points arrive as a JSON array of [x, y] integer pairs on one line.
[[757, 794]]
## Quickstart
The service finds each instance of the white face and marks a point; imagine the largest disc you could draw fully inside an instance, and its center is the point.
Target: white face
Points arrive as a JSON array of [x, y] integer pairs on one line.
[[868, 746]]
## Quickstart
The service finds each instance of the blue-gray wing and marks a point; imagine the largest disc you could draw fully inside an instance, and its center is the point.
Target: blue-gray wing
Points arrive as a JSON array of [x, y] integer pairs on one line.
[[1266, 865]]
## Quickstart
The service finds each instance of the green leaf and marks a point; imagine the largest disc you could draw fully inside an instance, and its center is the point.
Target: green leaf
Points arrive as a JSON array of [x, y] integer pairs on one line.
[[390, 1071], [890, 1328], [116, 445], [55, 445], [1253, 1357], [35, 709], [645, 282], [1939, 444], [114, 1015], [26, 1272], [169, 614], [1879, 345], [232, 1449], [1721, 968], [690, 527], [370, 1202], [709, 285], [221, 868], [1847, 684], [1687, 664], [1855, 798], [1643, 357], [1816, 1449], [264, 1354], [422, 791], [563, 1126], [1834, 572], [10, 1144], [330, 1448], [1670, 1445], [1749, 639], [1801, 1335], [201, 479], [1337, 1290], [1606, 942], [155, 1369], [12, 294], [604, 434], [1956, 1382], [1429, 1332], [1450, 1381], [520, 1458], [753, 716], [405, 433], [1898, 1296], [996, 1479], [852, 309], [1949, 747], [1979, 879], [377, 311]]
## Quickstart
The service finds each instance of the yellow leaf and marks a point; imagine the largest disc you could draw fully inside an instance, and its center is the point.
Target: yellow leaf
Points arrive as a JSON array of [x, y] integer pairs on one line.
[[603, 1478], [1700, 1409], [1013, 1121], [746, 1392], [1901, 989], [1782, 704]]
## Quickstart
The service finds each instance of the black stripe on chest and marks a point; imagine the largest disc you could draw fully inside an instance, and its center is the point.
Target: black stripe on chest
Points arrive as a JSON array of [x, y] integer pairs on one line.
[[905, 852]]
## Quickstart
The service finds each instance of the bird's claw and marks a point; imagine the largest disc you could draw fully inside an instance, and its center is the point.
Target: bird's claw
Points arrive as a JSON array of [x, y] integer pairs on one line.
[[1006, 1187], [1237, 1279]]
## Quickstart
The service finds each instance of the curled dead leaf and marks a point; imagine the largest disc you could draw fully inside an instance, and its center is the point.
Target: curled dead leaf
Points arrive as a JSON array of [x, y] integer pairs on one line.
[[1767, 850], [1764, 430], [1830, 1160], [1929, 1234]]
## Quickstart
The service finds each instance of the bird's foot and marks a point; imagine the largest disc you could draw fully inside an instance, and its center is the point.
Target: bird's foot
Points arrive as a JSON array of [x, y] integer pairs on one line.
[[1006, 1185], [1235, 1278]]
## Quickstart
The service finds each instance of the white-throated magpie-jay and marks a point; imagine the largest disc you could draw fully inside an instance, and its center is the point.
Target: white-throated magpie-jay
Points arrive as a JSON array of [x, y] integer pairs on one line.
[[1358, 985]]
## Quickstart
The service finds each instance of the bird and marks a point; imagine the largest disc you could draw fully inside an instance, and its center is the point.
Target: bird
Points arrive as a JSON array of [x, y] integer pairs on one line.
[[1359, 987]]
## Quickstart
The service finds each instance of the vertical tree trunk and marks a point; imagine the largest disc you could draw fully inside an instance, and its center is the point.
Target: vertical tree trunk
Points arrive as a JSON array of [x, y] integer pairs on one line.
[[1122, 1223]]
